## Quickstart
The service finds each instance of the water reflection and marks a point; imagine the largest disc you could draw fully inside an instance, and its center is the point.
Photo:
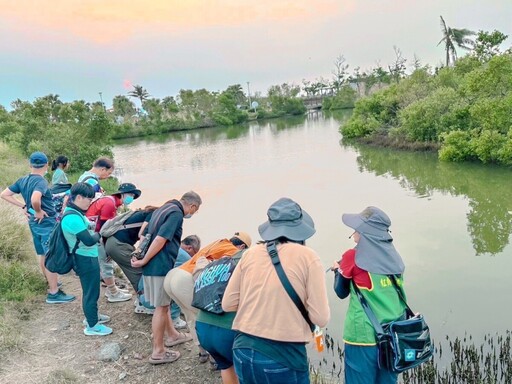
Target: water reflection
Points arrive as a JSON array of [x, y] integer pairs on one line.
[[487, 189]]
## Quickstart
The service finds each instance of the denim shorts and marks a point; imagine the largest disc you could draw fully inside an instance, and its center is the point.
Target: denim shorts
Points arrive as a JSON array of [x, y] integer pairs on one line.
[[253, 367], [218, 342], [41, 233]]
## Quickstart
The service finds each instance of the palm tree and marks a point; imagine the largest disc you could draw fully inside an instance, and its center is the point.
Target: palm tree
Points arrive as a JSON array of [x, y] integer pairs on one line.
[[455, 37], [139, 92]]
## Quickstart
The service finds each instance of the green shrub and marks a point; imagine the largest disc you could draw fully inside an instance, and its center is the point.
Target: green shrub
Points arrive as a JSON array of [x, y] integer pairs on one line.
[[455, 146], [488, 145], [20, 281]]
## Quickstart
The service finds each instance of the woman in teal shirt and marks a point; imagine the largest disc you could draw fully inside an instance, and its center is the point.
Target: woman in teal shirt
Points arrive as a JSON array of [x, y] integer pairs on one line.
[[84, 241], [59, 165]]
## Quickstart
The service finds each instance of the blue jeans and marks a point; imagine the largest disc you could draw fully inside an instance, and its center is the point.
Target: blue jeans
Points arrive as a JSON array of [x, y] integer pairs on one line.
[[252, 367], [362, 367]]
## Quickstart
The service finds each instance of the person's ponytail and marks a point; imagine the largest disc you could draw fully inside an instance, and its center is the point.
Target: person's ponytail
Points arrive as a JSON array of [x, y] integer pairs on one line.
[[54, 165]]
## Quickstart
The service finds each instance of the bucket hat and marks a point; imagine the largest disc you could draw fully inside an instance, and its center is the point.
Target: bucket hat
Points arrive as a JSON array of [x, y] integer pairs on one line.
[[287, 219], [375, 251], [38, 160], [243, 236], [128, 188], [372, 220]]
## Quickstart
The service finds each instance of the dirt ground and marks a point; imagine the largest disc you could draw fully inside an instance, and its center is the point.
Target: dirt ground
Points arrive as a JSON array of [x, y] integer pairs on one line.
[[55, 350]]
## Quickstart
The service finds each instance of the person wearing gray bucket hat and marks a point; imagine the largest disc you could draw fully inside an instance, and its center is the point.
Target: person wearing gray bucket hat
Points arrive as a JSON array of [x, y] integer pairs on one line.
[[276, 351], [368, 265]]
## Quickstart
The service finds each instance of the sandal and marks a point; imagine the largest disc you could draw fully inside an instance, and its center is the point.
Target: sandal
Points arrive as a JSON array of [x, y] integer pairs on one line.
[[168, 357], [182, 338], [204, 357]]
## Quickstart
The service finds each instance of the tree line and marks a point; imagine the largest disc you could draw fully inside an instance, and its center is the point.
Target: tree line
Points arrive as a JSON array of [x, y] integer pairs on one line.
[[463, 109]]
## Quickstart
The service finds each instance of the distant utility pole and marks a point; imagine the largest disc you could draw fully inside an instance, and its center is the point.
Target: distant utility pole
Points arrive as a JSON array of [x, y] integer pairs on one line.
[[101, 99], [249, 95]]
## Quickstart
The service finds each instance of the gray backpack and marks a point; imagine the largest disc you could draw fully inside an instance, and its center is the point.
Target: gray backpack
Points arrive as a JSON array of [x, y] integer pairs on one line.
[[112, 226]]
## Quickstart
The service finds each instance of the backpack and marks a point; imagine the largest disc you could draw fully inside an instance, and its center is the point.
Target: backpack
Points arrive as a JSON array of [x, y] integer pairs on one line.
[[112, 226], [58, 257], [211, 283]]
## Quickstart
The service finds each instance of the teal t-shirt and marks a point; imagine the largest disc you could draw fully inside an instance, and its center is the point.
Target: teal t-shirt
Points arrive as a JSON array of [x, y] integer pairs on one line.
[[59, 177], [73, 224]]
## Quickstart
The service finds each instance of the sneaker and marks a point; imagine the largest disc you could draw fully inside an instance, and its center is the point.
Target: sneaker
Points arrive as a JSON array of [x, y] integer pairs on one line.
[[118, 296], [145, 310], [102, 319], [179, 323], [119, 289], [98, 330], [59, 297]]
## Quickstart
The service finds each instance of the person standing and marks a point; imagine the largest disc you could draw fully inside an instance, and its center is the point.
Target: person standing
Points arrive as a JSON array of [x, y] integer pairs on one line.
[[368, 266], [75, 227], [101, 210], [102, 168], [40, 210], [165, 228], [270, 346], [59, 165]]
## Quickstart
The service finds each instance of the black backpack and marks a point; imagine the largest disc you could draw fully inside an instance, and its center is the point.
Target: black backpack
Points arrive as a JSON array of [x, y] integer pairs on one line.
[[211, 283], [58, 257]]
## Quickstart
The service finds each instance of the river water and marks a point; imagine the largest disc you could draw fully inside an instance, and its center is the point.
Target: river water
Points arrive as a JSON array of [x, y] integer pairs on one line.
[[451, 222]]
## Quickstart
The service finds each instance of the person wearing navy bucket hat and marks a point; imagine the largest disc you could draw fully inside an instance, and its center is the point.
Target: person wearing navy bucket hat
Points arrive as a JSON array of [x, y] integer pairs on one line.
[[276, 353], [368, 266]]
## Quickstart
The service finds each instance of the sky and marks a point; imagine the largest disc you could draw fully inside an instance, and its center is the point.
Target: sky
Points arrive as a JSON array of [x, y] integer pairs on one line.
[[78, 49]]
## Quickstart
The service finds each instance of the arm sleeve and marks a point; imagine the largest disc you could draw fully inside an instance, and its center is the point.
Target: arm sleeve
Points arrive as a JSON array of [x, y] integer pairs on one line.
[[15, 187], [341, 285], [317, 303], [348, 263], [86, 238], [232, 293]]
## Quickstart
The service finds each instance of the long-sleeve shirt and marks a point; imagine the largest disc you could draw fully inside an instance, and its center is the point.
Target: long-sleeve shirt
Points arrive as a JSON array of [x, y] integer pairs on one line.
[[263, 307]]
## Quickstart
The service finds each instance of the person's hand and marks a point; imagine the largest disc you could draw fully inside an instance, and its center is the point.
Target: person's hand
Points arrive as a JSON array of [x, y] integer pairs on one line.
[[335, 266], [136, 263], [39, 216]]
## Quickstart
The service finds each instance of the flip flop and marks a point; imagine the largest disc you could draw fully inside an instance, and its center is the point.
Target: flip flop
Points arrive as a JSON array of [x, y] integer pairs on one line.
[[204, 357], [168, 357], [182, 338]]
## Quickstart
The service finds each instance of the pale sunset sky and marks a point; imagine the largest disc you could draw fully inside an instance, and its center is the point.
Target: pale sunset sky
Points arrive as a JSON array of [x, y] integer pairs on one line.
[[79, 48]]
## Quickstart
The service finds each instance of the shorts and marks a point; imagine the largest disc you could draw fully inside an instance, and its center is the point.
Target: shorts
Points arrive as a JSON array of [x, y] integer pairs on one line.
[[106, 266], [154, 291], [41, 233], [218, 342]]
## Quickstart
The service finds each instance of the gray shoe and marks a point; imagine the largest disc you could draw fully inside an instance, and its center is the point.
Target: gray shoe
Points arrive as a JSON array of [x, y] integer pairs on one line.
[[118, 296]]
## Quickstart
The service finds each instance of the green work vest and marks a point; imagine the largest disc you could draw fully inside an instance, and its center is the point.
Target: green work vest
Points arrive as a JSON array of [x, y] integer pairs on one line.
[[384, 302]]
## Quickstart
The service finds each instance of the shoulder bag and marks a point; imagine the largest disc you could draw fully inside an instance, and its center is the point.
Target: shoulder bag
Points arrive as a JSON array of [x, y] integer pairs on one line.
[[401, 344]]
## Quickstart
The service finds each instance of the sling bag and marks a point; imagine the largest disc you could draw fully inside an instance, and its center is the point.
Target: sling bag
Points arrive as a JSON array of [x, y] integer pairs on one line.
[[401, 344], [274, 256]]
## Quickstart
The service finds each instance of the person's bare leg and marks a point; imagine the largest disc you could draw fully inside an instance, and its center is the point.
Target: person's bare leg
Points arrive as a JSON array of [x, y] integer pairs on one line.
[[158, 325], [51, 278], [229, 376]]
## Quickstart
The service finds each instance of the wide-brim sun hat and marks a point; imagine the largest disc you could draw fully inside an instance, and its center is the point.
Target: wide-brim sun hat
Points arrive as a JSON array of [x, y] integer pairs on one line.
[[128, 188], [287, 219], [371, 220]]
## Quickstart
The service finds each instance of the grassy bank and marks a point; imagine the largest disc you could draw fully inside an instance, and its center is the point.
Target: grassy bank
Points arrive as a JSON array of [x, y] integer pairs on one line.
[[20, 279]]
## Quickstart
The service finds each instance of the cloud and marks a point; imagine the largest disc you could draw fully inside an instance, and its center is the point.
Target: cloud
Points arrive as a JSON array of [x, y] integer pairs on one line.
[[105, 22]]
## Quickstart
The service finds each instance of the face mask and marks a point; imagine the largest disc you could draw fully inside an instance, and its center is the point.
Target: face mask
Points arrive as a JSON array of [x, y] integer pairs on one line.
[[187, 216], [128, 200]]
